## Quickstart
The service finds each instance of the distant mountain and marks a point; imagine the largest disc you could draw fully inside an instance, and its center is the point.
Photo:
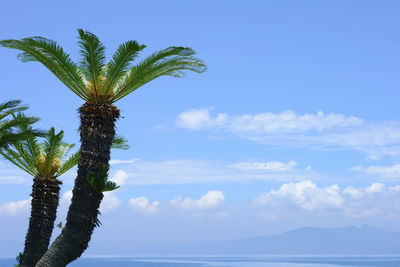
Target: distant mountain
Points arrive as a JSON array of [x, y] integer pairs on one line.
[[364, 240]]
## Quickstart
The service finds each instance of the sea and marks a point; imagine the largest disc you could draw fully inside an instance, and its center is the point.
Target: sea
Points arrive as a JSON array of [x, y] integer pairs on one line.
[[229, 261]]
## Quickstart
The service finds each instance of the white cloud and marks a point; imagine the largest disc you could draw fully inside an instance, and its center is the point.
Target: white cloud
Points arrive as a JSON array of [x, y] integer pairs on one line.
[[120, 161], [109, 203], [375, 188], [266, 166], [386, 172], [144, 205], [371, 201], [353, 192], [17, 207], [318, 130], [197, 119], [120, 177], [211, 200], [304, 195]]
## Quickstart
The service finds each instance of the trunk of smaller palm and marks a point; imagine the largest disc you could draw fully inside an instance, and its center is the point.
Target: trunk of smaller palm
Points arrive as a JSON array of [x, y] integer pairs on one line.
[[45, 198], [97, 133]]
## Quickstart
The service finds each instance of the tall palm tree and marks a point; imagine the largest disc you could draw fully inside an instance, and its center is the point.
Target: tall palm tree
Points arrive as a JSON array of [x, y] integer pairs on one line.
[[11, 119], [45, 162], [99, 85]]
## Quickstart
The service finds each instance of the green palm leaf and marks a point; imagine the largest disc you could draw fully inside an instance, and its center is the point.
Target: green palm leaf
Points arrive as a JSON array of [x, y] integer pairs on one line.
[[170, 61], [52, 147], [120, 142], [119, 64], [52, 56], [18, 161], [11, 107], [69, 164], [93, 57]]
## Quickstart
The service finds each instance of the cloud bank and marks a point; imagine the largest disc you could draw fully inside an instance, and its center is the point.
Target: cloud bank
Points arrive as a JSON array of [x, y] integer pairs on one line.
[[320, 130]]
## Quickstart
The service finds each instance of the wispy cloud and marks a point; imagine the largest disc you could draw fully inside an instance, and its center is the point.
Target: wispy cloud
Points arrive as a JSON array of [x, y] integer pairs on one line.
[[121, 161], [264, 166], [193, 171], [385, 172], [320, 130], [287, 121]]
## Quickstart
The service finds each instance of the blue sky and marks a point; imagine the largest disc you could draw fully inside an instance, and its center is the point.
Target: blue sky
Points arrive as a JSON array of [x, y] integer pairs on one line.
[[294, 124]]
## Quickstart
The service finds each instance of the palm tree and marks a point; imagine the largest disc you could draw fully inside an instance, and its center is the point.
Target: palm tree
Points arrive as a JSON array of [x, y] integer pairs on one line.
[[99, 85], [8, 126], [45, 162]]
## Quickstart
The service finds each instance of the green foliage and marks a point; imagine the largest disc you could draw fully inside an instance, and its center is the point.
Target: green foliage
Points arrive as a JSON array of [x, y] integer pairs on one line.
[[46, 159], [59, 225], [93, 80], [93, 56], [99, 180], [53, 57], [120, 142], [119, 65], [11, 120]]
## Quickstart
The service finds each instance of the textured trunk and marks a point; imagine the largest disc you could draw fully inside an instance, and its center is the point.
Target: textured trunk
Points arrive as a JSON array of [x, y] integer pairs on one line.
[[97, 133], [45, 196]]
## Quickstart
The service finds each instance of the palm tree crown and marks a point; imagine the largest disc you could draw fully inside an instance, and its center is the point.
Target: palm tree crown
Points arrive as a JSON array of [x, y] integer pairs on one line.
[[95, 81], [46, 159]]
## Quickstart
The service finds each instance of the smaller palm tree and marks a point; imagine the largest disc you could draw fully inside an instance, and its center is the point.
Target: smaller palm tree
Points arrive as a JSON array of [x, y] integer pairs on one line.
[[11, 119], [45, 162]]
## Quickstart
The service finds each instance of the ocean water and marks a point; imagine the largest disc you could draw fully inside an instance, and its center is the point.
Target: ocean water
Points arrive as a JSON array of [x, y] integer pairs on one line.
[[229, 261]]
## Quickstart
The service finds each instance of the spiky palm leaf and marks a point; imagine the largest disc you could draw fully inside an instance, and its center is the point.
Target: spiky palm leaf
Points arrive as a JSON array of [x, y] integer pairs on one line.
[[120, 142], [10, 119], [93, 80]]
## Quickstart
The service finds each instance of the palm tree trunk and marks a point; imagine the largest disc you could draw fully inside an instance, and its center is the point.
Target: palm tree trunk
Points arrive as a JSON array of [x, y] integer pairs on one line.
[[97, 132], [45, 197]]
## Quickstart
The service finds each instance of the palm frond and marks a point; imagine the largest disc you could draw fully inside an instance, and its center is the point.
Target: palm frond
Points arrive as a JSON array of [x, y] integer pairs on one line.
[[33, 150], [120, 142], [51, 147], [18, 160], [171, 61], [110, 186], [119, 64], [63, 150], [17, 129], [52, 56], [10, 107], [69, 163], [93, 57]]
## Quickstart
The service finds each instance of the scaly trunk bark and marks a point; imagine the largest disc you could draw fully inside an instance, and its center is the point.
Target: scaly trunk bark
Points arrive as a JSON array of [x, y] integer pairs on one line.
[[45, 197], [97, 132]]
